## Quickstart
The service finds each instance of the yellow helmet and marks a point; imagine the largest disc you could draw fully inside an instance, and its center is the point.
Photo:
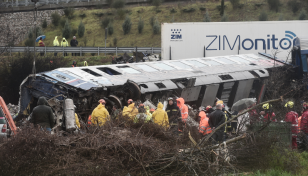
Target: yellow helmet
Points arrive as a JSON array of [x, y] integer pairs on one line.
[[266, 106], [219, 102], [289, 104]]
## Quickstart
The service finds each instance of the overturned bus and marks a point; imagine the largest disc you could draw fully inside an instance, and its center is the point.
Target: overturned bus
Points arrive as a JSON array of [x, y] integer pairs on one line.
[[198, 80]]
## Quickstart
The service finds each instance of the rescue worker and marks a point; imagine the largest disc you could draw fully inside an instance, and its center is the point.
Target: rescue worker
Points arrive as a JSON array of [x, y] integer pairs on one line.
[[204, 127], [89, 121], [76, 119], [209, 110], [152, 110], [85, 63], [160, 116], [130, 111], [42, 115], [41, 44], [217, 118], [64, 43], [174, 113], [292, 117], [304, 120], [142, 114], [74, 64], [115, 112], [100, 115], [56, 44], [74, 43], [268, 114], [147, 109], [184, 113]]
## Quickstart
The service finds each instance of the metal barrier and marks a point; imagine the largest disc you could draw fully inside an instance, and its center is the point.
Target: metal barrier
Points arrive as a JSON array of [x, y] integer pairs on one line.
[[98, 50]]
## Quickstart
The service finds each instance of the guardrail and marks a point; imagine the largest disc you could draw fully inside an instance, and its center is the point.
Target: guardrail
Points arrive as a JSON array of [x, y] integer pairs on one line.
[[98, 50]]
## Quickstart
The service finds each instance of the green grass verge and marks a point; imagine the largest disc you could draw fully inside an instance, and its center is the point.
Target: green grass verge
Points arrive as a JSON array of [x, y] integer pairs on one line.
[[94, 34]]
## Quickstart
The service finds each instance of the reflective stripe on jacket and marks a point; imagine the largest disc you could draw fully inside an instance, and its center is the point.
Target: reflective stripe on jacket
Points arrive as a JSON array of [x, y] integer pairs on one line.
[[89, 121]]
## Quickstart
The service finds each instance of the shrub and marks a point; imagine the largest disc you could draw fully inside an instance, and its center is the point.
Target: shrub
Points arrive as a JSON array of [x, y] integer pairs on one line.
[[115, 41], [55, 19], [85, 40], [172, 19], [109, 13], [281, 18], [74, 32], [224, 18], [105, 22], [302, 15], [152, 20], [99, 14], [62, 22], [207, 17], [156, 27], [39, 31], [69, 12], [66, 32], [29, 42], [44, 25], [82, 15], [189, 10], [117, 4], [30, 34], [110, 29], [235, 3], [127, 25], [81, 29], [202, 8], [172, 10], [274, 4], [121, 13], [263, 16], [158, 10], [295, 6], [140, 25], [156, 3]]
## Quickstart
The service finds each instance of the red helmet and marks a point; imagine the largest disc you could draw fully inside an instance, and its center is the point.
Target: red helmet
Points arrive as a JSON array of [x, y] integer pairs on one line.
[[102, 101], [152, 109], [208, 107], [141, 105], [305, 105]]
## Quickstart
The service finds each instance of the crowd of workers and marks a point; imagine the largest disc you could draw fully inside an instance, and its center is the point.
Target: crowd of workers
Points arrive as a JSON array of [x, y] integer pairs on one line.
[[63, 43], [175, 116]]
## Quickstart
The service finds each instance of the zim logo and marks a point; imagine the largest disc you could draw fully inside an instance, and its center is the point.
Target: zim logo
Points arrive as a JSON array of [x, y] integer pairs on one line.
[[176, 34]]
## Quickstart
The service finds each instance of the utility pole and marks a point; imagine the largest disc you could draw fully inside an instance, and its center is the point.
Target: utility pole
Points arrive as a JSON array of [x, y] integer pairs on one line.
[[106, 32], [34, 51]]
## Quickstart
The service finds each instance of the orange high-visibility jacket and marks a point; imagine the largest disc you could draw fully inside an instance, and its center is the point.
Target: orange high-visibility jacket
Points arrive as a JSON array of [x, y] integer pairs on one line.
[[183, 108], [204, 127]]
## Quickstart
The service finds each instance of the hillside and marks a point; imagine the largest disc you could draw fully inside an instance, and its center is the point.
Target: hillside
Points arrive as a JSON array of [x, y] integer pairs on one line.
[[94, 34]]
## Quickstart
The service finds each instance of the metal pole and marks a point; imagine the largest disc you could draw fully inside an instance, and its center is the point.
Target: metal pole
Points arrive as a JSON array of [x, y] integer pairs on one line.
[[80, 51], [10, 51], [63, 50], [116, 51], [106, 29], [152, 50], [98, 51], [204, 51], [170, 53], [137, 58]]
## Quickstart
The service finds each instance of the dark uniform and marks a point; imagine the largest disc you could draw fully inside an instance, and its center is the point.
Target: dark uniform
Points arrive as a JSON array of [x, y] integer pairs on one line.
[[174, 113], [217, 118]]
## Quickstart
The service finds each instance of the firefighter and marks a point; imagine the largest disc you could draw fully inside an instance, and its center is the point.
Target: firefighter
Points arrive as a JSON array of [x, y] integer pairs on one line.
[[56, 44], [292, 117], [217, 118], [100, 115], [267, 112], [204, 127], [64, 43], [160, 116], [130, 111], [304, 120], [143, 114], [174, 113], [41, 44]]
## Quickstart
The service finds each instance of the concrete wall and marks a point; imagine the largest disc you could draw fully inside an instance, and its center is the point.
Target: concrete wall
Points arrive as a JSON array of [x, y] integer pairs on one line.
[[15, 26]]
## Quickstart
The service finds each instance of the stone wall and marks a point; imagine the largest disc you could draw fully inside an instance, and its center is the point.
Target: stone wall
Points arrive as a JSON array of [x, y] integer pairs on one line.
[[14, 27]]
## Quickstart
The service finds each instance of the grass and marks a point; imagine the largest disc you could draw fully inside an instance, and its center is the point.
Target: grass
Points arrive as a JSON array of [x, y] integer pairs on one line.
[[95, 34]]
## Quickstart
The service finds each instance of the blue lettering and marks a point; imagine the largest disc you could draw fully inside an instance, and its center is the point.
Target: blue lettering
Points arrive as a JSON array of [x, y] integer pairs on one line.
[[176, 36], [256, 43], [239, 41], [285, 43], [211, 42], [273, 41], [244, 45]]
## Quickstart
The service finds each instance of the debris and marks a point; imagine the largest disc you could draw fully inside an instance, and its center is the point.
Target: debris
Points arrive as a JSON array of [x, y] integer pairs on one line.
[[14, 109]]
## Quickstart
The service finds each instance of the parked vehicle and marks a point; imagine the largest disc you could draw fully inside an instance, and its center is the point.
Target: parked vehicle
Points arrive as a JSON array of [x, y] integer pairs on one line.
[[3, 126]]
